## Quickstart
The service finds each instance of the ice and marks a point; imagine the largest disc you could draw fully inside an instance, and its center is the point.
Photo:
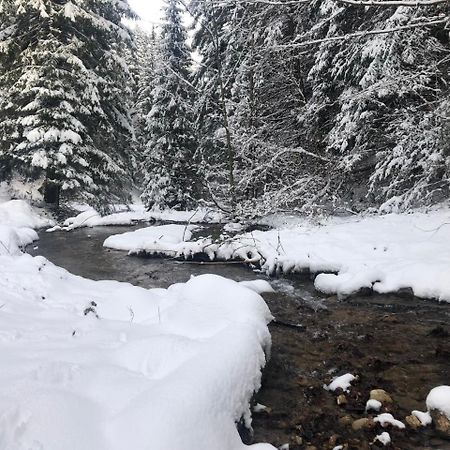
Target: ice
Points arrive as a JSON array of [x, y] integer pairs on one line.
[[343, 382]]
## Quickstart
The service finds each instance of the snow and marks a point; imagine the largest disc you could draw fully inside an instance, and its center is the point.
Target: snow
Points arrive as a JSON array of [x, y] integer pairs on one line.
[[152, 240], [373, 405], [382, 253], [384, 438], [103, 365], [17, 223], [424, 417], [259, 286], [386, 419], [439, 399], [128, 215], [343, 382]]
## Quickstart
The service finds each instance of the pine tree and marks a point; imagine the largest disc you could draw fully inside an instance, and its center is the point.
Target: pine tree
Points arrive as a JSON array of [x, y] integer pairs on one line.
[[64, 119], [171, 176]]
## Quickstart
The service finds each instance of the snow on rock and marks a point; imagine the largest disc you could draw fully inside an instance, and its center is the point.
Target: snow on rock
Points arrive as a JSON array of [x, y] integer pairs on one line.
[[128, 215], [439, 399], [424, 417], [383, 253], [386, 419], [384, 438], [373, 405], [151, 240], [103, 365], [343, 382]]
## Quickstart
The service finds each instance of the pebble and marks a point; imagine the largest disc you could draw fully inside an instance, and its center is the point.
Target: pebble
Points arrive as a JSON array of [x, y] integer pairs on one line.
[[363, 423], [341, 399], [380, 395], [441, 422], [413, 422], [344, 421]]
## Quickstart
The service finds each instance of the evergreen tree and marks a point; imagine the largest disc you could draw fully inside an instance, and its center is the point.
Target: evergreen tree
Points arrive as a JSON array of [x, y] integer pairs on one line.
[[144, 60], [171, 175], [64, 118]]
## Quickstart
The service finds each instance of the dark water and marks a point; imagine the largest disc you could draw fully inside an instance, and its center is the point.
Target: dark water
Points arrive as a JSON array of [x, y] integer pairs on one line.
[[396, 343]]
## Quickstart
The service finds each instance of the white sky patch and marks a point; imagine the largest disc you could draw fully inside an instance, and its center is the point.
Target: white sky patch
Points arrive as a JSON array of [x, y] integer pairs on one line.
[[148, 10]]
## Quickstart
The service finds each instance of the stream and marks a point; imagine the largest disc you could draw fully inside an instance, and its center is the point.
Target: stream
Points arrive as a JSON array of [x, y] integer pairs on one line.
[[397, 343]]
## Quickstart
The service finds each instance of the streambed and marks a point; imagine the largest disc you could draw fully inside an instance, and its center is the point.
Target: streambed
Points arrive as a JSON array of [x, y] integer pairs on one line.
[[397, 343]]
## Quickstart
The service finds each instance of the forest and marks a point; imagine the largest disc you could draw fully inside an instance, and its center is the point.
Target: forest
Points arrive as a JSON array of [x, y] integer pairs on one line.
[[258, 106]]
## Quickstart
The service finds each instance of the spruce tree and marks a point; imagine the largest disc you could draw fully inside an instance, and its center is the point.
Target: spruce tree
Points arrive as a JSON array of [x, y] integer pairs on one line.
[[64, 115], [171, 178]]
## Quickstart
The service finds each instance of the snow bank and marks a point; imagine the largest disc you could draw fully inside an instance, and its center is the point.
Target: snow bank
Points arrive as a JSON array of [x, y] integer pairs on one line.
[[152, 240], [129, 215], [383, 253], [17, 223], [103, 365], [108, 366]]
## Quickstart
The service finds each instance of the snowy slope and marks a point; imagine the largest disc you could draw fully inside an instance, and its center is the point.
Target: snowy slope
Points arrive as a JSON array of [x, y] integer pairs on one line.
[[103, 365]]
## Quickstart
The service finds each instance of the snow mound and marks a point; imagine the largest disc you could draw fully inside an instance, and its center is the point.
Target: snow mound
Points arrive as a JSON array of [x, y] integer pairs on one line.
[[151, 240], [131, 214], [103, 365], [17, 223], [386, 419], [384, 438], [439, 399], [343, 382]]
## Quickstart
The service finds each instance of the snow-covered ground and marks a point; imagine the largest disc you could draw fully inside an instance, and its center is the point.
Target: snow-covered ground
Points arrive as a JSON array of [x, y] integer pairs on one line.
[[103, 365], [383, 253], [158, 239], [128, 215]]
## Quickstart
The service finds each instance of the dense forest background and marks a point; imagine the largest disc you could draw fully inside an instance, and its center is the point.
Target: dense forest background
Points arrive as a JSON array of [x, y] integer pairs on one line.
[[268, 105]]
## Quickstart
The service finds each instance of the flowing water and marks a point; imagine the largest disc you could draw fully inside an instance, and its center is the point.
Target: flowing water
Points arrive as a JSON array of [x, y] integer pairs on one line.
[[397, 343]]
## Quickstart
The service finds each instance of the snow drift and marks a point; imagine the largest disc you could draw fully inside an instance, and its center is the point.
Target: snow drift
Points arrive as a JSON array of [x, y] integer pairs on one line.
[[103, 365]]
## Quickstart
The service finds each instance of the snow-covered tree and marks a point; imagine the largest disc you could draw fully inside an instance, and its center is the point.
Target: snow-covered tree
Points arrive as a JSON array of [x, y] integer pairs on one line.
[[171, 175], [64, 115]]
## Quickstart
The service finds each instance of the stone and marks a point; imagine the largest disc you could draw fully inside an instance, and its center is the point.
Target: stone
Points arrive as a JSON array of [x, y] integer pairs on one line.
[[344, 421], [381, 395], [298, 440], [362, 424], [341, 399], [441, 422], [413, 422]]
